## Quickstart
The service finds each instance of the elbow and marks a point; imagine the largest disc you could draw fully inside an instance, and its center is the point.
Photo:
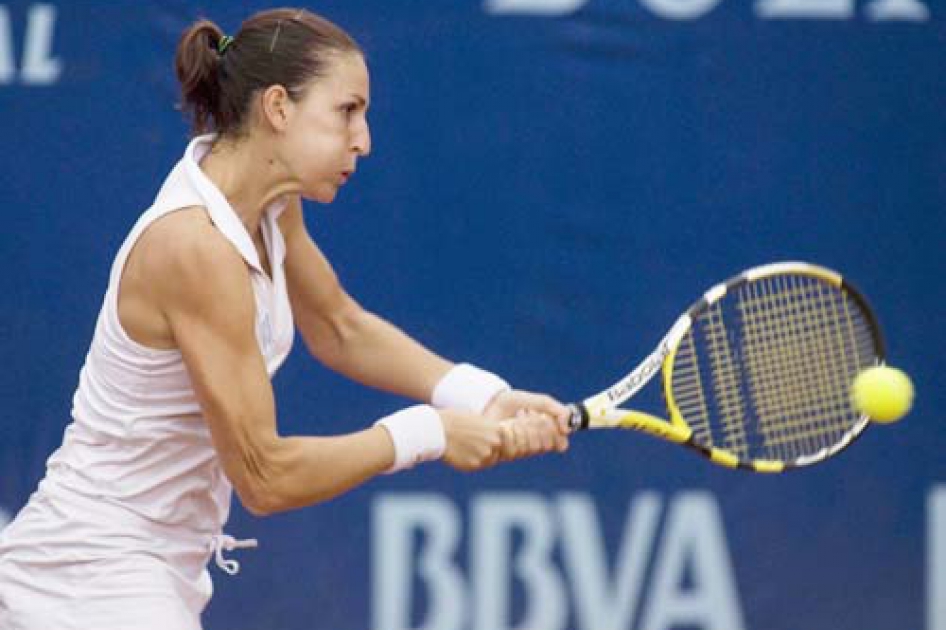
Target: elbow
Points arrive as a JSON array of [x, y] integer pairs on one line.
[[259, 499], [259, 480], [258, 504], [270, 485]]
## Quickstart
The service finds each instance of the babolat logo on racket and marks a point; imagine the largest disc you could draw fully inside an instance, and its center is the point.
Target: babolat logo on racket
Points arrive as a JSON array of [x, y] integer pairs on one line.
[[626, 388]]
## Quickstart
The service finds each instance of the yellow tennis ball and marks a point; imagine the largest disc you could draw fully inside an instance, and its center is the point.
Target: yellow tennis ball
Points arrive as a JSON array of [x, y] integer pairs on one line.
[[883, 393]]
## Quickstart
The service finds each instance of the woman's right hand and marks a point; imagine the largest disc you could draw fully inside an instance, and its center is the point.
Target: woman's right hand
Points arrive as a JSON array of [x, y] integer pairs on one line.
[[473, 442]]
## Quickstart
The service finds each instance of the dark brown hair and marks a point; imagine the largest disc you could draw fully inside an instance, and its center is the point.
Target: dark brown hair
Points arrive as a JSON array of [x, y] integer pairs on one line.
[[286, 47]]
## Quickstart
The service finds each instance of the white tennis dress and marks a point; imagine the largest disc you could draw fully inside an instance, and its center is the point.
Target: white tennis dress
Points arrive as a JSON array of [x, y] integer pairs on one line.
[[133, 504]]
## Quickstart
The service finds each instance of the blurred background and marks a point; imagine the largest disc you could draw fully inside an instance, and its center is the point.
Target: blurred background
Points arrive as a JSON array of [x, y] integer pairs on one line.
[[551, 183]]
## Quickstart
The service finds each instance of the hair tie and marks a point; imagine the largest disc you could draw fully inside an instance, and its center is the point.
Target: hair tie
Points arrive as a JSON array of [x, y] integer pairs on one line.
[[223, 44]]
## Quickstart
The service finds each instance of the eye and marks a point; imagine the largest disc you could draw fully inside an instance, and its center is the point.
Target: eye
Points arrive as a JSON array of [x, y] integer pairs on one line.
[[349, 108]]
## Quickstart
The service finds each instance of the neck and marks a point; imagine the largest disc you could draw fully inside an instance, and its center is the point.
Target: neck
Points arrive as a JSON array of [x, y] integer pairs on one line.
[[249, 175]]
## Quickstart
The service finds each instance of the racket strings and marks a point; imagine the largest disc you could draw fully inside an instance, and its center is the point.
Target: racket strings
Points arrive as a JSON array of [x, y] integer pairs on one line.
[[765, 372], [688, 389], [726, 386], [719, 399], [795, 365]]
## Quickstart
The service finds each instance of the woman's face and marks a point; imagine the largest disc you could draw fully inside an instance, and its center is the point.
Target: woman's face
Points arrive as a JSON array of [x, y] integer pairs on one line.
[[327, 129]]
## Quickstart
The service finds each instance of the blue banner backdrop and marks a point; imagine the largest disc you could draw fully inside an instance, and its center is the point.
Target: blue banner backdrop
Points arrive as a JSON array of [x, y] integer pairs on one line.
[[552, 181]]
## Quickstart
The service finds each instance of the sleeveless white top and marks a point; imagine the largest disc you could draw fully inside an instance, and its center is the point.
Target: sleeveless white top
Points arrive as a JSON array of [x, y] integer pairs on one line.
[[137, 472]]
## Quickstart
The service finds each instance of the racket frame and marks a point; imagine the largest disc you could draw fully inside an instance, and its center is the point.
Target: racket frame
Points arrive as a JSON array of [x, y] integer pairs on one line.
[[602, 410]]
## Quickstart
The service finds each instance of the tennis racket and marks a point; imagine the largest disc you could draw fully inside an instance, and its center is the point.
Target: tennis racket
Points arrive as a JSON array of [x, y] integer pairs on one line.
[[757, 373]]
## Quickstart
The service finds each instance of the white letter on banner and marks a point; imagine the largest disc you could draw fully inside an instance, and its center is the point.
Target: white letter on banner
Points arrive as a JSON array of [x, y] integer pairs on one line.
[[494, 518], [7, 67], [936, 558], [802, 9], [602, 603], [693, 539], [681, 9], [905, 10], [38, 68], [533, 7], [394, 519]]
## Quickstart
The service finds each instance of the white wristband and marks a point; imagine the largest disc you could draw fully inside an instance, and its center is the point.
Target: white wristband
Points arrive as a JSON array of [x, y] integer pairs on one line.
[[418, 436], [468, 388]]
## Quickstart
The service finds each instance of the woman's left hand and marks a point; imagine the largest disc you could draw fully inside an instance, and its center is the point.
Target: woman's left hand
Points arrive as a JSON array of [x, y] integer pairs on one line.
[[528, 434], [533, 423], [508, 404]]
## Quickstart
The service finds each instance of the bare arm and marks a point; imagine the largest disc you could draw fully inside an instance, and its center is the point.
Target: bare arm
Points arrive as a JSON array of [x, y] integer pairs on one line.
[[343, 335], [207, 299], [203, 291], [364, 347]]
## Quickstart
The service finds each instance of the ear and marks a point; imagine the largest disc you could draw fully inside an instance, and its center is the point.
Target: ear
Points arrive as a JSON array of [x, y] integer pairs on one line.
[[276, 107]]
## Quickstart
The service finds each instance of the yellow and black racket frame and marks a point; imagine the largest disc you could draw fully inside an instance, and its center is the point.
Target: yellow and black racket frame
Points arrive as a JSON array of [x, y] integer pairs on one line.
[[598, 411]]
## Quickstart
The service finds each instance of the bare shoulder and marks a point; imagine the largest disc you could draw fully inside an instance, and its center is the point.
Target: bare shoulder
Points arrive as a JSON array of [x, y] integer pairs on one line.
[[186, 259]]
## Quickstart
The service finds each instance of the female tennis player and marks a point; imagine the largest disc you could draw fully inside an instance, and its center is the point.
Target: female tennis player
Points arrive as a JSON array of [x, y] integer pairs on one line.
[[174, 407]]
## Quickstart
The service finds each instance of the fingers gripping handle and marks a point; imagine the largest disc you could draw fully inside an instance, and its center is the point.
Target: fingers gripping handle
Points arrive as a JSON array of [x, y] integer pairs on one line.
[[579, 417]]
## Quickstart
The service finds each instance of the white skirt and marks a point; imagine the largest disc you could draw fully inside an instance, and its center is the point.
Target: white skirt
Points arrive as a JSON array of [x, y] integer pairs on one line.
[[62, 573]]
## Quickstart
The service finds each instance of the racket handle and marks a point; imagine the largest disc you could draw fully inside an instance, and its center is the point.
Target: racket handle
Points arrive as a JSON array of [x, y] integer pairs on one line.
[[579, 417]]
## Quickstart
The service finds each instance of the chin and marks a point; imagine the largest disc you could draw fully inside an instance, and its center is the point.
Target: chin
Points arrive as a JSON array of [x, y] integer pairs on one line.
[[322, 194]]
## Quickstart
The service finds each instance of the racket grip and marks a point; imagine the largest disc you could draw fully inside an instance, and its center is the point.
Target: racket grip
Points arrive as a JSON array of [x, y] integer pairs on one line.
[[578, 420]]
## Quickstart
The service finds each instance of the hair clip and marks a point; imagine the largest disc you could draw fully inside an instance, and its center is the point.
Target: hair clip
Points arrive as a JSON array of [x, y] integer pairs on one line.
[[223, 44]]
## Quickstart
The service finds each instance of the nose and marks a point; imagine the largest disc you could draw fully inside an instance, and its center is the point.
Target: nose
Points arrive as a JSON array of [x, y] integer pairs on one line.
[[361, 140]]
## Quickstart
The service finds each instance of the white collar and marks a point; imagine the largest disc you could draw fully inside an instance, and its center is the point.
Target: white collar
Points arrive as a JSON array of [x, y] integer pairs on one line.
[[222, 213]]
